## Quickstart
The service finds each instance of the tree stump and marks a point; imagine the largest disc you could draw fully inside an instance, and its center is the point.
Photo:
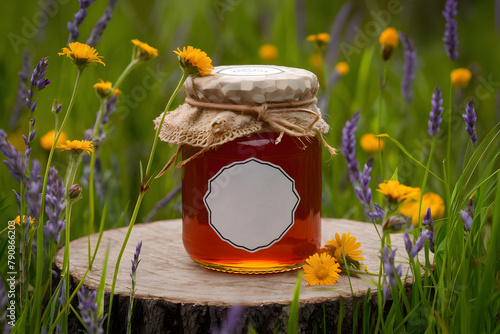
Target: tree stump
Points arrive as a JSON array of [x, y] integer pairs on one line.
[[176, 295]]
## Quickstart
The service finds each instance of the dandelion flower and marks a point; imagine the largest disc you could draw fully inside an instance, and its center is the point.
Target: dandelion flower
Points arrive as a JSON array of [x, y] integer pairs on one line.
[[395, 191], [370, 143], [460, 77], [320, 39], [351, 250], [81, 54], [77, 146], [17, 220], [429, 200], [321, 269], [194, 61], [342, 68], [104, 88], [323, 37], [143, 51], [48, 139], [389, 40], [268, 52]]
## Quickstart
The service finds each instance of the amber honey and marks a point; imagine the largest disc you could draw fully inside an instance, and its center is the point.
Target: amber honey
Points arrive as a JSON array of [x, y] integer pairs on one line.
[[297, 160]]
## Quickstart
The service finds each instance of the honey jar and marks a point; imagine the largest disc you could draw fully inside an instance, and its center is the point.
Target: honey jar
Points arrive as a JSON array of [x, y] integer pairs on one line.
[[250, 138]]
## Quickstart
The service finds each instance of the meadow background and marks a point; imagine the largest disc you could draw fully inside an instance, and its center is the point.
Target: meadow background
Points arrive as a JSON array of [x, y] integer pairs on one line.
[[231, 32]]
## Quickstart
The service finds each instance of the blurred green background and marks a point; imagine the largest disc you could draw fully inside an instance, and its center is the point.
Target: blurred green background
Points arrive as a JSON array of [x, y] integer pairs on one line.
[[231, 32]]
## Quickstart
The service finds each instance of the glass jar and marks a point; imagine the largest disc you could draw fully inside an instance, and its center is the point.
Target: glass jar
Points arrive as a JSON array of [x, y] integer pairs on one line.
[[252, 205]]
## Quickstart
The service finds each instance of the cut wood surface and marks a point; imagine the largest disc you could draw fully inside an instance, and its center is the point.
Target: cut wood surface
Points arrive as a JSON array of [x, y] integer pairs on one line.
[[174, 294]]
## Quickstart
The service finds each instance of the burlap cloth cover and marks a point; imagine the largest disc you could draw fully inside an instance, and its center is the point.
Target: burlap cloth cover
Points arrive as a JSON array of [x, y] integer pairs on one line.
[[235, 101]]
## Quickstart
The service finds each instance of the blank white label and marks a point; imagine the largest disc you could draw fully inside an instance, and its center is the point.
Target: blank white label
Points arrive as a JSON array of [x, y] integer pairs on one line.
[[251, 204]]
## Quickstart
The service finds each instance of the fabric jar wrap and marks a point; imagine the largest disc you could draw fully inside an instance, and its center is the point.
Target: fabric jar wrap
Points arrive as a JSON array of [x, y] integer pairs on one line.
[[274, 105]]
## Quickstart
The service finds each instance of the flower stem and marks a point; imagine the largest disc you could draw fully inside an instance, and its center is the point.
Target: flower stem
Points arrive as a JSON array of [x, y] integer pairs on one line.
[[141, 194], [37, 298], [74, 161], [379, 123], [424, 181], [125, 72], [90, 226]]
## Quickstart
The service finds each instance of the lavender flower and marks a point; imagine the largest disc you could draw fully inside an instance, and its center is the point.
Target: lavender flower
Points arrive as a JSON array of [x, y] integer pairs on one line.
[[364, 193], [348, 147], [16, 162], [429, 224], [470, 121], [389, 268], [78, 19], [409, 67], [468, 215], [21, 91], [54, 205], [135, 261], [101, 24], [435, 114], [34, 190], [450, 34], [38, 82], [378, 213], [88, 310], [419, 244]]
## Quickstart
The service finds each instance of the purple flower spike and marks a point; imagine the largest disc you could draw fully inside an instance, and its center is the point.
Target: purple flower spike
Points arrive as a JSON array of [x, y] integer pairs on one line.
[[135, 261], [429, 224], [450, 34], [470, 121], [16, 162], [466, 219], [364, 193], [390, 270], [87, 305], [468, 215], [378, 214], [348, 147], [409, 67], [419, 244], [408, 243], [54, 205], [436, 112]]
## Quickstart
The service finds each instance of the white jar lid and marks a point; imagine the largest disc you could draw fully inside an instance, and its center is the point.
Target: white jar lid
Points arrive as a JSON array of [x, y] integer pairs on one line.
[[253, 84]]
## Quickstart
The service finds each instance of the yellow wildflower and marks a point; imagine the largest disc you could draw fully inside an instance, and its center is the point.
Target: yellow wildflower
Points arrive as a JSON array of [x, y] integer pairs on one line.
[[268, 52], [351, 250], [144, 51], [370, 143], [389, 40], [194, 61], [320, 39], [104, 88], [17, 220], [47, 139], [323, 37], [460, 77], [81, 54], [321, 269], [410, 206], [396, 192], [342, 68], [77, 146]]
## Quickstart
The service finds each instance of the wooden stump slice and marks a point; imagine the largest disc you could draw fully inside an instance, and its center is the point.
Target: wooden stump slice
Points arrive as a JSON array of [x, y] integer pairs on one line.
[[176, 295]]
